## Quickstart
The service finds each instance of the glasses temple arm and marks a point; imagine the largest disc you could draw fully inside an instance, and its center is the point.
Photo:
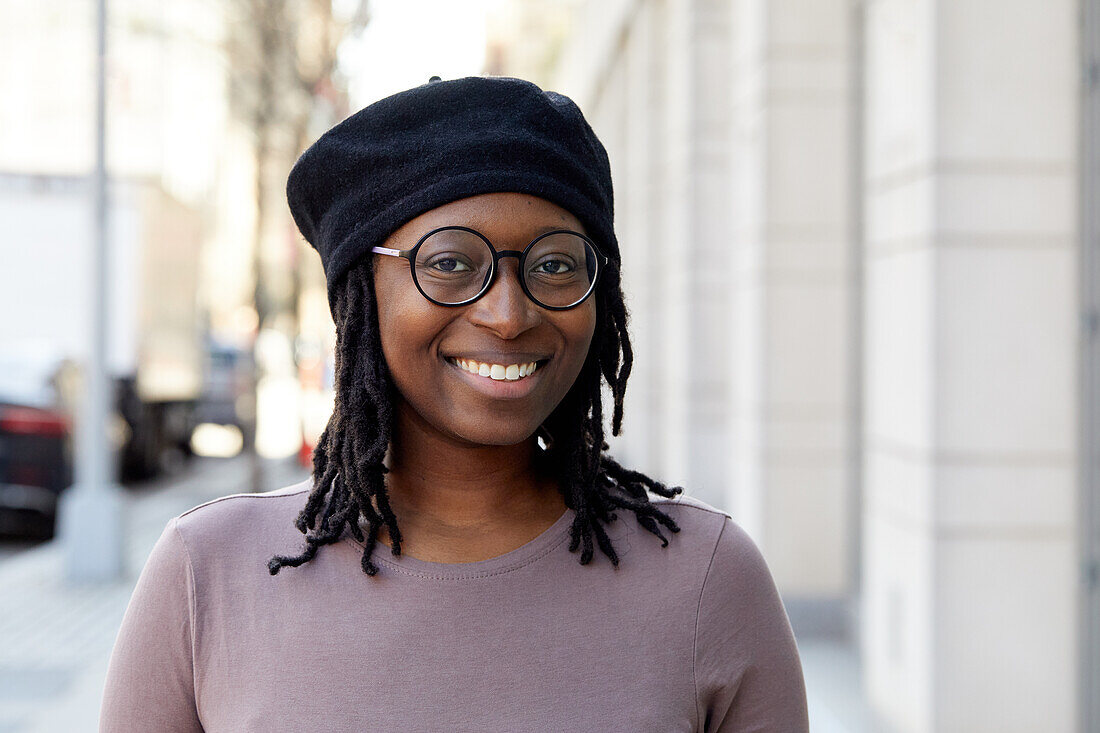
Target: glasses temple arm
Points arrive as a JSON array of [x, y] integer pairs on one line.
[[388, 251]]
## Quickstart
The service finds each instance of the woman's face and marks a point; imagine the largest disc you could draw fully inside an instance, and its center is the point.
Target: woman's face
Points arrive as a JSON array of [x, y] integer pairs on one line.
[[421, 340]]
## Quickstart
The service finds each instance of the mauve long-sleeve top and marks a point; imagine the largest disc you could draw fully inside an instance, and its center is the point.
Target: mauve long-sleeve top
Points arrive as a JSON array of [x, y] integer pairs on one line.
[[688, 637]]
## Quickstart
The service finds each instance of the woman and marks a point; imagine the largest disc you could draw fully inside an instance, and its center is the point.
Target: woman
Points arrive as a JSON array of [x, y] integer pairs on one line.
[[466, 232]]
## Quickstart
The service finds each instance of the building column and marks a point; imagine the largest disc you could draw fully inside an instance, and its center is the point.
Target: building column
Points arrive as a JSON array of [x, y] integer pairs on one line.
[[694, 248], [792, 317], [970, 566], [638, 190]]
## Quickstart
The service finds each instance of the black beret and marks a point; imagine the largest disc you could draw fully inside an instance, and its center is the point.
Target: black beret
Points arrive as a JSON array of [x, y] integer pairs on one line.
[[440, 142]]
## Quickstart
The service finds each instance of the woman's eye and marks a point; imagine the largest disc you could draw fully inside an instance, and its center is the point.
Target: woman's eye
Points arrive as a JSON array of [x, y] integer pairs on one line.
[[552, 267], [450, 264]]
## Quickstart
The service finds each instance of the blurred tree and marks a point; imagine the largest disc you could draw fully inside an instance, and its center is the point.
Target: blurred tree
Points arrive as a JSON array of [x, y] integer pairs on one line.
[[282, 65]]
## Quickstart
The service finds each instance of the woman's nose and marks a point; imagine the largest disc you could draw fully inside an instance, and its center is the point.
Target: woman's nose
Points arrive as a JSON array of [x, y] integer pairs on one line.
[[505, 308]]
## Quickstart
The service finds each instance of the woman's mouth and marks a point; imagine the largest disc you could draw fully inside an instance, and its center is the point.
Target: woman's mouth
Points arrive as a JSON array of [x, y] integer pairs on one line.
[[499, 372], [499, 381]]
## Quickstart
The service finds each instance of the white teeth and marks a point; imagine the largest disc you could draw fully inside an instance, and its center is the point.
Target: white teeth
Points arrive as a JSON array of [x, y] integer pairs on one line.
[[511, 372]]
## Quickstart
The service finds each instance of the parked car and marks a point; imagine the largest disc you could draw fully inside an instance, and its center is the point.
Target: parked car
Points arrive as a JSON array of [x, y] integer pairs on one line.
[[36, 462]]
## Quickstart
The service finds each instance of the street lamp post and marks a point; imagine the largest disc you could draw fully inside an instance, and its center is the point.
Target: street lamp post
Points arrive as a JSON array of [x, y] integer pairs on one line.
[[90, 512]]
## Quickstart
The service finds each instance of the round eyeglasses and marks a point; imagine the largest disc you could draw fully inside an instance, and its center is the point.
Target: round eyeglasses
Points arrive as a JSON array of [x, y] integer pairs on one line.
[[456, 265]]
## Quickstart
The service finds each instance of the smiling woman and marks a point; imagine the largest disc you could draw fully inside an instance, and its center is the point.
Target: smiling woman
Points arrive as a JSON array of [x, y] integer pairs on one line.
[[466, 229]]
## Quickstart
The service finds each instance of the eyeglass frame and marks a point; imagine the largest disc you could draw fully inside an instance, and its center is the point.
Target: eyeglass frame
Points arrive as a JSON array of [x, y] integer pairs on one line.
[[602, 261]]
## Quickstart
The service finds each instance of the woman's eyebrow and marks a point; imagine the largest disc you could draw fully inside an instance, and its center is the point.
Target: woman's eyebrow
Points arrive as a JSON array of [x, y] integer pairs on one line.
[[557, 228], [534, 233]]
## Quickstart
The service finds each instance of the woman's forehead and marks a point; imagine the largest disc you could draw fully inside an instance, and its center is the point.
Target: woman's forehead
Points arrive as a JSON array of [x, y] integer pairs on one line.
[[508, 212]]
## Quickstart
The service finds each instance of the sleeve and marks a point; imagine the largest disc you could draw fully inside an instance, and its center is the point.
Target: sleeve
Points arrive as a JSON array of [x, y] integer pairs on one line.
[[748, 675], [150, 676]]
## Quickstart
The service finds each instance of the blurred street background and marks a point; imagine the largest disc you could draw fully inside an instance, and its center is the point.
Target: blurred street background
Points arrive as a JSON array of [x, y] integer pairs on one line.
[[861, 254], [57, 636]]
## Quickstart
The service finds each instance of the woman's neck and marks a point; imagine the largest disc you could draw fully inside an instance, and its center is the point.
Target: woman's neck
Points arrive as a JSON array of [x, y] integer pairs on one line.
[[457, 502]]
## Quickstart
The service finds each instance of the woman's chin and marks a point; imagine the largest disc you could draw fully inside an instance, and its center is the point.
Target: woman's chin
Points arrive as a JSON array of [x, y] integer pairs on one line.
[[495, 435]]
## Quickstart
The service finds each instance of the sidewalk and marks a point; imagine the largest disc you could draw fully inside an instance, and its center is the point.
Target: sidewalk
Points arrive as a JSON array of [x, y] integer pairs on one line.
[[834, 687], [55, 640]]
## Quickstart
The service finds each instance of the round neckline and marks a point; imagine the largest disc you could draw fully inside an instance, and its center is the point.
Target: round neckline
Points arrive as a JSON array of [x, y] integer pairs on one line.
[[525, 554]]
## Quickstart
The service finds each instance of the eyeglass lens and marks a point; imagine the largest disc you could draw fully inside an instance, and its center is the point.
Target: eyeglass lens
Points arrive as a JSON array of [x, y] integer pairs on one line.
[[453, 265]]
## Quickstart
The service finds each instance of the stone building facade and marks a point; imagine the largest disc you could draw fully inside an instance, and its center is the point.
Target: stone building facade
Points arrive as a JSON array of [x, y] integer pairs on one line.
[[860, 249]]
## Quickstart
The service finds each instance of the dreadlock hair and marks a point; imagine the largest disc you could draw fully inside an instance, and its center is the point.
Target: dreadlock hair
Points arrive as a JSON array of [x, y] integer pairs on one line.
[[347, 462]]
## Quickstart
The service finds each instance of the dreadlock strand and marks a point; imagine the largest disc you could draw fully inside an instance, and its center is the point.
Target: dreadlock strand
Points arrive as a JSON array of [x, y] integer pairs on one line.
[[281, 561], [604, 543], [618, 386], [579, 534], [628, 478], [331, 448], [351, 407], [322, 482], [375, 382]]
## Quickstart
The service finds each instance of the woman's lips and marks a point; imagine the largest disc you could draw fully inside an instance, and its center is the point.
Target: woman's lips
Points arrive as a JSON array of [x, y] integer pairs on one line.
[[502, 388]]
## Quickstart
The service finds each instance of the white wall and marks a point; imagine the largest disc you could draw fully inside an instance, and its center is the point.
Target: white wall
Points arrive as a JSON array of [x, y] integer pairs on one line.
[[970, 566], [793, 335], [942, 275]]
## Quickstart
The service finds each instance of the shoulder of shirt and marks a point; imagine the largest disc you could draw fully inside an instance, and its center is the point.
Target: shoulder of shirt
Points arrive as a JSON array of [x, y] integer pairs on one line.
[[734, 556], [729, 543], [233, 513], [231, 502], [700, 527], [687, 500], [693, 512]]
